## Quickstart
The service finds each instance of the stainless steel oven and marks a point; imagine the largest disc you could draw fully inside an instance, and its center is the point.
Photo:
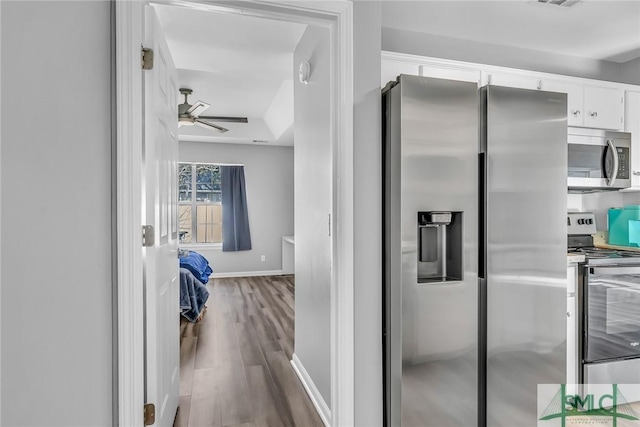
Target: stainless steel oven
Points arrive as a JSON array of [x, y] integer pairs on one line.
[[612, 312], [598, 159], [608, 295], [611, 320]]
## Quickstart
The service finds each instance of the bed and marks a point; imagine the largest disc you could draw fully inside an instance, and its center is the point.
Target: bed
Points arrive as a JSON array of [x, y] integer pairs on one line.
[[194, 274]]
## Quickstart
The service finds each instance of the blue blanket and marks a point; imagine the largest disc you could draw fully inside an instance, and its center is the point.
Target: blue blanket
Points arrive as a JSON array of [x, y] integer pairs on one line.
[[193, 295], [196, 264]]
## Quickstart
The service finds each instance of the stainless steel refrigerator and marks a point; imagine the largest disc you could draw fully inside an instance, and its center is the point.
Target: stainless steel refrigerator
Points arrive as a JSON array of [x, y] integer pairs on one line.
[[474, 251]]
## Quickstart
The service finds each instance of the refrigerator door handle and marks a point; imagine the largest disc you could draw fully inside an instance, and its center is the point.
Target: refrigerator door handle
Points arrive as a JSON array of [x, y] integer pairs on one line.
[[482, 212], [614, 152]]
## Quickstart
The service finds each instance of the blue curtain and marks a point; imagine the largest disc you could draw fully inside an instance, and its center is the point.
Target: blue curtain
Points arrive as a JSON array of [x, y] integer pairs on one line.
[[235, 218]]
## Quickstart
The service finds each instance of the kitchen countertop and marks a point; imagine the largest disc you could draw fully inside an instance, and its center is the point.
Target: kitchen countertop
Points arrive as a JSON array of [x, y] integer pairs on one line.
[[575, 258], [601, 238]]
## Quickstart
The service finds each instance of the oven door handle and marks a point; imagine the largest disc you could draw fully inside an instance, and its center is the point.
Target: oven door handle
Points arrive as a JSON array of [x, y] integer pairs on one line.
[[614, 270], [614, 153]]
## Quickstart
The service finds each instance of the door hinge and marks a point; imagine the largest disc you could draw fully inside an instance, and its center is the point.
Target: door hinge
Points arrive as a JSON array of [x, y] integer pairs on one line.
[[147, 58], [329, 225], [148, 234], [149, 414]]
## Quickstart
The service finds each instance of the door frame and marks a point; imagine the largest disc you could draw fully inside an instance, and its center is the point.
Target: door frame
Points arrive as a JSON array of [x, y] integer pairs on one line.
[[128, 305]]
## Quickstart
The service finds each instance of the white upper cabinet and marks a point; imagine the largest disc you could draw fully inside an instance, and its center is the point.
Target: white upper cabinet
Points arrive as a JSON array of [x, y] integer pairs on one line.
[[390, 69], [513, 80], [603, 108], [450, 73], [590, 106], [575, 99], [590, 103], [632, 125]]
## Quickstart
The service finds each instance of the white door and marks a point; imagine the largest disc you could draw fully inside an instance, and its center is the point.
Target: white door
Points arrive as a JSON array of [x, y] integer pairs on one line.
[[162, 312]]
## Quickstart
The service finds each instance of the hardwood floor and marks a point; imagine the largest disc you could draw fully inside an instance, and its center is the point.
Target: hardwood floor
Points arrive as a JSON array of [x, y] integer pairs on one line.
[[234, 363]]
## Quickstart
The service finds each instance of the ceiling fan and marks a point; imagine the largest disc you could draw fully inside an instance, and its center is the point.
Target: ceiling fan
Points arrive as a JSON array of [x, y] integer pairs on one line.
[[189, 115]]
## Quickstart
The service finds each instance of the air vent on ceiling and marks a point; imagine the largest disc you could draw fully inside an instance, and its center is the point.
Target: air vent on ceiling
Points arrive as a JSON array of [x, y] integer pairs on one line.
[[563, 3], [260, 141]]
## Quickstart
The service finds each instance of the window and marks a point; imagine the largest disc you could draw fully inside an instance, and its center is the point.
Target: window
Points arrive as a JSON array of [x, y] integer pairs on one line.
[[199, 211]]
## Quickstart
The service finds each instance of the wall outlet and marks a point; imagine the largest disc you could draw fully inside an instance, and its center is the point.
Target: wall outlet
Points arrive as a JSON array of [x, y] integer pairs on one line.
[[263, 258]]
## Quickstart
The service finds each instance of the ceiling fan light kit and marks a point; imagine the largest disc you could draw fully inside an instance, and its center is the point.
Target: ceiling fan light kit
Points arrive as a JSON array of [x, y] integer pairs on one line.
[[189, 115], [184, 120]]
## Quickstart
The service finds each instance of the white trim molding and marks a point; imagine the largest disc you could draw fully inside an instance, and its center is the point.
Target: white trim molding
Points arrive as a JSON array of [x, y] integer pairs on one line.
[[338, 17], [313, 392], [0, 240], [129, 102], [342, 283]]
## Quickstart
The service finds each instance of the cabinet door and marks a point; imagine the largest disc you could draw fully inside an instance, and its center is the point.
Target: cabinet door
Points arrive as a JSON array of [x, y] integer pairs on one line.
[[390, 69], [511, 80], [575, 99], [603, 107], [450, 73], [572, 342], [632, 124], [572, 326]]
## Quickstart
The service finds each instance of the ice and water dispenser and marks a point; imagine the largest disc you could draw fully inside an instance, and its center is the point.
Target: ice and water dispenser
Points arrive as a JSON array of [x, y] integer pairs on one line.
[[439, 247]]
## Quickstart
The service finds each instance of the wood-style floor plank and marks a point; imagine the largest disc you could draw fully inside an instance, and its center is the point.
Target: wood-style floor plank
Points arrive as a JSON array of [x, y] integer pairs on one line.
[[187, 364], [235, 362]]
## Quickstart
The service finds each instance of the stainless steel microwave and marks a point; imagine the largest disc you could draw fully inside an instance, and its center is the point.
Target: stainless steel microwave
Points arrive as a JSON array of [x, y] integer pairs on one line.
[[598, 160]]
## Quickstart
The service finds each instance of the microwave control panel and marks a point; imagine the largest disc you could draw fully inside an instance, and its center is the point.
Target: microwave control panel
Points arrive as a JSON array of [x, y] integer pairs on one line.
[[624, 162]]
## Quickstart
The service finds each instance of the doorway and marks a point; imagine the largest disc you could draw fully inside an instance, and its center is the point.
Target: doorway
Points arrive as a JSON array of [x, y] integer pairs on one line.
[[336, 18]]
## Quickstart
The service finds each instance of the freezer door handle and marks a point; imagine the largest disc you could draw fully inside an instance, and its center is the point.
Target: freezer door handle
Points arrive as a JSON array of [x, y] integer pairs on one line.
[[482, 215], [609, 271]]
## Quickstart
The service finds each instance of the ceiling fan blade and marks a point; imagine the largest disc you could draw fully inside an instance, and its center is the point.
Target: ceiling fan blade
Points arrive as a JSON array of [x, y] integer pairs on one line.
[[197, 108], [210, 126], [226, 119]]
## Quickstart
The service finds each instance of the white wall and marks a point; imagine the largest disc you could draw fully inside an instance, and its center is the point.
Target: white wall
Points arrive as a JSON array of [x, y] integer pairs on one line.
[[402, 41], [269, 183], [631, 72], [368, 213], [56, 214], [313, 172]]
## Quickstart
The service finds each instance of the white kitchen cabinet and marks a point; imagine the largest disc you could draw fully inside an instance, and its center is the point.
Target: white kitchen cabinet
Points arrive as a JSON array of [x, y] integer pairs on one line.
[[632, 124], [572, 326], [451, 73], [575, 99], [572, 278], [391, 68], [513, 80], [590, 106], [572, 346], [603, 108]]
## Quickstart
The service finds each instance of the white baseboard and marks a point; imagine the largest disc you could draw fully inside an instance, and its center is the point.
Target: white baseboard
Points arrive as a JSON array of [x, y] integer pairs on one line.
[[312, 391], [246, 274]]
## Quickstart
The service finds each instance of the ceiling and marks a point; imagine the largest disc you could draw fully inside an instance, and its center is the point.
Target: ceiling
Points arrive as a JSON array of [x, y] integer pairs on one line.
[[596, 29], [240, 65], [243, 66]]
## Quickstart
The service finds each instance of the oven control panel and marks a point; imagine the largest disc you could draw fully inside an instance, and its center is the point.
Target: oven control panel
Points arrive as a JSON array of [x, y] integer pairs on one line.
[[581, 223]]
